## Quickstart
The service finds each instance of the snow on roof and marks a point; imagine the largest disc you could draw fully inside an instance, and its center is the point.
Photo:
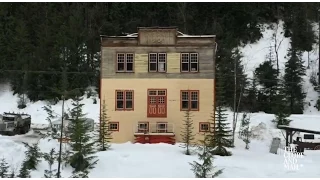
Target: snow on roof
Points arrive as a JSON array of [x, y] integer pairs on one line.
[[180, 34], [305, 122]]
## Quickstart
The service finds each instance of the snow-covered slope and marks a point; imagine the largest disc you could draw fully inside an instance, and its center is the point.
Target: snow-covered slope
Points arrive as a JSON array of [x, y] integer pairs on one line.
[[8, 102], [255, 54], [162, 160]]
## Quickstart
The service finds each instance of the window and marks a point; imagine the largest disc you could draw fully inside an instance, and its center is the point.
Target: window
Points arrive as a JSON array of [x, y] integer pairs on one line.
[[157, 62], [162, 127], [113, 126], [204, 127], [143, 127], [157, 103], [125, 62], [189, 62], [124, 100], [190, 100]]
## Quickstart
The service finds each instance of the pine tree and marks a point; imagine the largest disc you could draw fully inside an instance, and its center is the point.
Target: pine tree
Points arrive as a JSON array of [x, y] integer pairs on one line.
[[24, 170], [33, 156], [232, 61], [204, 168], [52, 132], [266, 76], [282, 106], [82, 157], [293, 81], [12, 173], [187, 132], [50, 157], [4, 168], [245, 130], [221, 137], [104, 134], [252, 97]]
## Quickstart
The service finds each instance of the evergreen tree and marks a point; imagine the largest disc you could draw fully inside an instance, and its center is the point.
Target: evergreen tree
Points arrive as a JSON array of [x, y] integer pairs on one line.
[[4, 168], [245, 130], [266, 76], [82, 157], [104, 134], [220, 134], [293, 81], [232, 62], [50, 157], [251, 98], [12, 173], [33, 156], [187, 132], [204, 168], [282, 106], [24, 170], [52, 132]]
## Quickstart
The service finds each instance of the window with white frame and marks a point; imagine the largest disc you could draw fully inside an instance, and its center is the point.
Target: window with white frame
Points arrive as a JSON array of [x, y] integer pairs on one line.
[[162, 127], [157, 62], [143, 127], [125, 62], [189, 62]]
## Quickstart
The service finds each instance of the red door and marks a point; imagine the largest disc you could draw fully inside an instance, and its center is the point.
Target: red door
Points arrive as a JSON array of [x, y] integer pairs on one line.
[[157, 103]]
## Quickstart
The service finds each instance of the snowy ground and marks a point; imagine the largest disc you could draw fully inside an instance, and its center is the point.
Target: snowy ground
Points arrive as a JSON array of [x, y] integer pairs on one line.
[[167, 161]]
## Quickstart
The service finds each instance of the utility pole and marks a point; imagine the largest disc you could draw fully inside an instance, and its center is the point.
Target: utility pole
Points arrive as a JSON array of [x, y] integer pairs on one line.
[[64, 93], [61, 134]]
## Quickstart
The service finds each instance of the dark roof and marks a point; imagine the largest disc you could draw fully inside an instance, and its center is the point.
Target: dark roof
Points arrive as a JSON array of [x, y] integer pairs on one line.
[[298, 129]]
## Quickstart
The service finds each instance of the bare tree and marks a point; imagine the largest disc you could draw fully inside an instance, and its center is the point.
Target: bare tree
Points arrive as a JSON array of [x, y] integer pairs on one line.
[[277, 44]]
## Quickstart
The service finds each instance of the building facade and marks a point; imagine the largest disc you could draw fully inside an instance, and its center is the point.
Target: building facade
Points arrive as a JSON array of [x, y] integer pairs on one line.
[[151, 78]]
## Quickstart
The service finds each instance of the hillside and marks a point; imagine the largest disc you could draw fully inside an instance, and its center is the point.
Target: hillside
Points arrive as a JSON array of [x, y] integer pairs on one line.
[[140, 161]]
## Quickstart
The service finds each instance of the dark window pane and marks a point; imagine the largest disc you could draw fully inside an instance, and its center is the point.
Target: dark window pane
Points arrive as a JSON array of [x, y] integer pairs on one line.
[[129, 104], [194, 66], [194, 104], [185, 104], [129, 66], [120, 104], [185, 67], [153, 66], [120, 66], [204, 127]]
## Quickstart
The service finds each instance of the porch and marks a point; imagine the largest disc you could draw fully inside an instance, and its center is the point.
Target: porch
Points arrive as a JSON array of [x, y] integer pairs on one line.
[[151, 133]]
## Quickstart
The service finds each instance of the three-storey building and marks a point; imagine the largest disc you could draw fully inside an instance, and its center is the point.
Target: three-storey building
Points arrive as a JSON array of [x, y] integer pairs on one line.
[[150, 78]]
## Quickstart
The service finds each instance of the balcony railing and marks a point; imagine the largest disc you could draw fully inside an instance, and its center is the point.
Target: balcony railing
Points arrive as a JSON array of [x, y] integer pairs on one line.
[[154, 128]]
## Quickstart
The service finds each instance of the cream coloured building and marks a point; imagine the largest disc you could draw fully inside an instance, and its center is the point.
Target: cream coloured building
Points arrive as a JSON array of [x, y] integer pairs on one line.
[[150, 78]]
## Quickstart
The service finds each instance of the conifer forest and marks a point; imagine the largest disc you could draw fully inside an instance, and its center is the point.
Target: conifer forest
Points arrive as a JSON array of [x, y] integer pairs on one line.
[[40, 41]]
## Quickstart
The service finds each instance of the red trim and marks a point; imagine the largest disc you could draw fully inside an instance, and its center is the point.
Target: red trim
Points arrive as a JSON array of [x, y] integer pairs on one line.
[[117, 123], [124, 100], [157, 97], [189, 100], [201, 130]]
